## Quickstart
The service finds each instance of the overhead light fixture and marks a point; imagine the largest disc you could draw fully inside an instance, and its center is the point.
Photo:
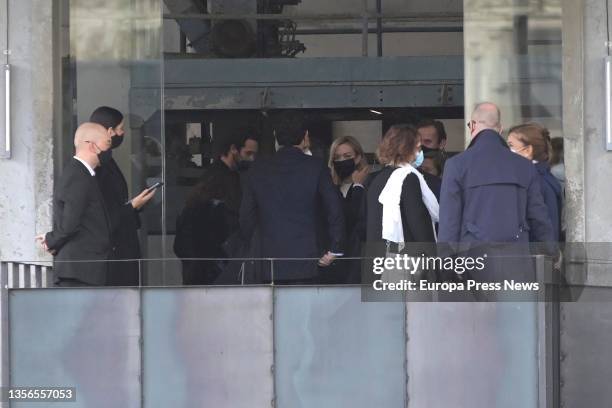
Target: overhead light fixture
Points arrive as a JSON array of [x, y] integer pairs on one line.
[[376, 112]]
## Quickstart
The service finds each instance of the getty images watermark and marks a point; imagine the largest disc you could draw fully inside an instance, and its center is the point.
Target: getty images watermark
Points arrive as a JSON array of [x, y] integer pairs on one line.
[[481, 271], [398, 272]]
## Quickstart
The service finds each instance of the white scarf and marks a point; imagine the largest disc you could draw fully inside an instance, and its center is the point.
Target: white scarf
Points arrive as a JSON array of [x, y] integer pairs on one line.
[[392, 228]]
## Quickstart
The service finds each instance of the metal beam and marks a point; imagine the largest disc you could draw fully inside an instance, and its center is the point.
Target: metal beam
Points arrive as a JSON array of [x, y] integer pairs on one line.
[[429, 17], [430, 29], [315, 96]]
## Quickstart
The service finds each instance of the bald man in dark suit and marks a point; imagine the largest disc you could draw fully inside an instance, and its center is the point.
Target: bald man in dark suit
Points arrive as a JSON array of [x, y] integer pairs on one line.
[[81, 227]]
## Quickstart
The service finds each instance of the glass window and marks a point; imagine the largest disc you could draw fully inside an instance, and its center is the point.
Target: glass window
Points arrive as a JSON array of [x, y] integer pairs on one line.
[[189, 75], [513, 57], [111, 56]]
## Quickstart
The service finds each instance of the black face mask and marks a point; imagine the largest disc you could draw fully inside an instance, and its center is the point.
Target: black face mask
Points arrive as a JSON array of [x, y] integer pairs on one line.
[[116, 141], [244, 165], [429, 149], [344, 168], [105, 157]]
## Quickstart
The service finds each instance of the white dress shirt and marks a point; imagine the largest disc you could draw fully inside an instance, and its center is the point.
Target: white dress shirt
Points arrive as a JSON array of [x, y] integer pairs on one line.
[[89, 168]]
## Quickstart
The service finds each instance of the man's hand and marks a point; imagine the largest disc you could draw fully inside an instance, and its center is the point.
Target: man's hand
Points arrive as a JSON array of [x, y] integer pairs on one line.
[[42, 241], [359, 176], [327, 259], [142, 198]]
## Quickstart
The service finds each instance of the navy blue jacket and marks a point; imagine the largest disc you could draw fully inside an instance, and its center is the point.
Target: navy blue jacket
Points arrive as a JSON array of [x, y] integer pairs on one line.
[[490, 194], [282, 196], [552, 193]]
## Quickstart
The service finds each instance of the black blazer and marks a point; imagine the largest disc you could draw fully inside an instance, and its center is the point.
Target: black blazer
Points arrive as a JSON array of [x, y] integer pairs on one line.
[[81, 226], [434, 183], [349, 270], [354, 214], [124, 224], [282, 195], [416, 220]]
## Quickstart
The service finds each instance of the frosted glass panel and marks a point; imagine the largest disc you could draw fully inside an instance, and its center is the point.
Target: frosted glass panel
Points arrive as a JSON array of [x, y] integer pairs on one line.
[[208, 347], [82, 338], [333, 351], [484, 353]]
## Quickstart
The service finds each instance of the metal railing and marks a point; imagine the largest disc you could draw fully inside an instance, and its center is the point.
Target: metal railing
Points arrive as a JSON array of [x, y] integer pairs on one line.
[[26, 275]]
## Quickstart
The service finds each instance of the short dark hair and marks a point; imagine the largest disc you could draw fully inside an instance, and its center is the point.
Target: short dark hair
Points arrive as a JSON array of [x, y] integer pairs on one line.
[[246, 134], [107, 117], [290, 129], [441, 132], [224, 144]]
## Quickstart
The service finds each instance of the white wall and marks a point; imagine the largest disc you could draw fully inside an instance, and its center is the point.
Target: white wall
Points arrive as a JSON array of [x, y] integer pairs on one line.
[[26, 180]]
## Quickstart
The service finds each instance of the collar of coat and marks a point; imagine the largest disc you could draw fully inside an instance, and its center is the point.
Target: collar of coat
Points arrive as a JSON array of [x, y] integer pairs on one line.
[[488, 134]]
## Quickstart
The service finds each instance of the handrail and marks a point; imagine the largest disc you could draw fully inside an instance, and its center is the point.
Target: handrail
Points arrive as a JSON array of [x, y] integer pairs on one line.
[[25, 275]]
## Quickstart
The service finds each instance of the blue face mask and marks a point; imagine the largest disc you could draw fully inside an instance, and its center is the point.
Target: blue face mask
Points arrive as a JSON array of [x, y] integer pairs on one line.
[[419, 160]]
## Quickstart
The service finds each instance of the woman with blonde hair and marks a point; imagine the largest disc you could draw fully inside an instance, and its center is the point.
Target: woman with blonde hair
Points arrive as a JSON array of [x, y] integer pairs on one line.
[[349, 170], [532, 141], [347, 163]]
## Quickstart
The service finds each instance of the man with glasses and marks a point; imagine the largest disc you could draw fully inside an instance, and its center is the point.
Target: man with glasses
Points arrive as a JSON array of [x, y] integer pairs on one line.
[[491, 195], [81, 227]]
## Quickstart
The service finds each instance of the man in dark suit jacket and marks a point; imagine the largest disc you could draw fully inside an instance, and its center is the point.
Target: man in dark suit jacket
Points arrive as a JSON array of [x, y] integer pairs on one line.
[[491, 195], [282, 196], [81, 227]]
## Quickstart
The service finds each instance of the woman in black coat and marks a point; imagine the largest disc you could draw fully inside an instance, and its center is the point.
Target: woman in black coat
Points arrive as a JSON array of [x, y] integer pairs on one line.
[[406, 192], [349, 170], [123, 215]]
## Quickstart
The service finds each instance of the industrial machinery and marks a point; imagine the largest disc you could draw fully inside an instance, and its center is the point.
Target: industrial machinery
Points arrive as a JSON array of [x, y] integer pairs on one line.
[[232, 32], [242, 63]]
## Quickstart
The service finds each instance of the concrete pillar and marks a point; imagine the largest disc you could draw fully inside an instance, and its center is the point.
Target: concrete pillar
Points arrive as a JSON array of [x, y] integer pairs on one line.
[[26, 180], [490, 66], [573, 117], [597, 162], [588, 165]]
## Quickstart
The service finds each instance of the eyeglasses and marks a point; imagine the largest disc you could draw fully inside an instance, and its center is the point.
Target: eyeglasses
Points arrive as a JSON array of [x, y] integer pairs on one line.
[[471, 123]]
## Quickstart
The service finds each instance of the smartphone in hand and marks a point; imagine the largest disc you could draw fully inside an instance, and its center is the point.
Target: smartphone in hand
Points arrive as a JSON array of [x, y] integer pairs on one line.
[[147, 190], [156, 185]]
